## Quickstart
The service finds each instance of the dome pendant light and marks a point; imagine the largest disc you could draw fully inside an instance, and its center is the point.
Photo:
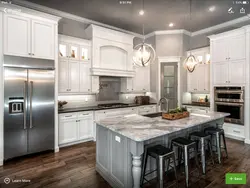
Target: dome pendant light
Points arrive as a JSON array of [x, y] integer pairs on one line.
[[143, 53], [190, 62]]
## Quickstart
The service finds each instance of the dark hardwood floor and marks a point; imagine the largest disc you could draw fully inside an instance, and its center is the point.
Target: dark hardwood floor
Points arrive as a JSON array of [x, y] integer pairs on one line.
[[74, 166]]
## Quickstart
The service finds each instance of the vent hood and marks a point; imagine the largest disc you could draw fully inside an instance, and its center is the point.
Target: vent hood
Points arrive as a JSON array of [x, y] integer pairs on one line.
[[112, 72]]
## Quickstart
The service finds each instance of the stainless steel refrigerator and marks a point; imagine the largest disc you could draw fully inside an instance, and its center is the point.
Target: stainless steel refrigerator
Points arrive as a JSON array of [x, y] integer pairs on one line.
[[28, 106]]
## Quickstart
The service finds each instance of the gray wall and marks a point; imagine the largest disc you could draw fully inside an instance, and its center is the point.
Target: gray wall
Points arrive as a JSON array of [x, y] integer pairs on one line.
[[72, 28]]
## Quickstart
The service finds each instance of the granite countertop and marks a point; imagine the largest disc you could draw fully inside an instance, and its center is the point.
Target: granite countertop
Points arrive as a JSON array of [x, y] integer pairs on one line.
[[204, 104], [94, 108], [140, 128]]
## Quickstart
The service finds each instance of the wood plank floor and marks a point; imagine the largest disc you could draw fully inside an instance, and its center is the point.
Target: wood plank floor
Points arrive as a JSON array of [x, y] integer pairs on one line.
[[74, 166]]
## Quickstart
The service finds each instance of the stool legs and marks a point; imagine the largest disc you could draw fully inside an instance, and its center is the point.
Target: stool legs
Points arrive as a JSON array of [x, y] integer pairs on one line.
[[175, 170], [160, 171], [144, 165], [203, 155], [211, 151], [224, 143], [186, 160], [218, 146]]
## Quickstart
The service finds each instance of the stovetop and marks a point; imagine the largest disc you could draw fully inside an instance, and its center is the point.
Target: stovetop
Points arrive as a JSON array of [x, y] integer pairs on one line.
[[112, 105]]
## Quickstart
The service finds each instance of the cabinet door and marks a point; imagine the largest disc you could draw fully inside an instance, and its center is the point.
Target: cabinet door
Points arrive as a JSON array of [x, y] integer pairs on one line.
[[63, 50], [192, 81], [85, 53], [74, 51], [74, 77], [220, 50], [95, 84], [85, 127], [43, 40], [17, 35], [141, 81], [237, 72], [68, 131], [207, 78], [237, 47], [63, 76], [85, 77], [127, 84], [220, 73]]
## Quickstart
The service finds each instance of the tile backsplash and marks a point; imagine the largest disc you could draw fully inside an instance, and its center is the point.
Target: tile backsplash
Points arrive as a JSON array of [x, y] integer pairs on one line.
[[91, 100], [189, 97]]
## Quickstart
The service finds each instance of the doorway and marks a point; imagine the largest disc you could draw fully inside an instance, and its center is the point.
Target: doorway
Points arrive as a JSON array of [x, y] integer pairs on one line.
[[169, 83]]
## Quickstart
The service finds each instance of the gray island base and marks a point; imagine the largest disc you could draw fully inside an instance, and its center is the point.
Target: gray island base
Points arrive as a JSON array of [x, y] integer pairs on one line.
[[120, 143]]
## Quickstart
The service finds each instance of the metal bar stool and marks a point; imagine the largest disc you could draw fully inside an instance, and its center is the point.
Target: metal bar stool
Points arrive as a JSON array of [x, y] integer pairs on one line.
[[161, 154], [203, 140], [218, 133], [185, 145]]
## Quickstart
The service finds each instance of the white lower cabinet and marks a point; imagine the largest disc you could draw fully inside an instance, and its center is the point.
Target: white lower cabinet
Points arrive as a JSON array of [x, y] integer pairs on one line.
[[234, 131], [193, 109], [142, 110], [68, 131], [75, 127]]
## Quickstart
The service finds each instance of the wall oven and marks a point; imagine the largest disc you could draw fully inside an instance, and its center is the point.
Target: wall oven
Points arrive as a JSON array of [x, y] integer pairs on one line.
[[230, 100]]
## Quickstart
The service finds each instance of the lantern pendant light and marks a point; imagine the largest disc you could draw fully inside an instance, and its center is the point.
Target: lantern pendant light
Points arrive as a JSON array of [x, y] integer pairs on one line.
[[143, 53], [190, 62]]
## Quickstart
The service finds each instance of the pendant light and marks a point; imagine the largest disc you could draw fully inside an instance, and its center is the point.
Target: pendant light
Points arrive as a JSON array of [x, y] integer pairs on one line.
[[190, 62], [143, 53]]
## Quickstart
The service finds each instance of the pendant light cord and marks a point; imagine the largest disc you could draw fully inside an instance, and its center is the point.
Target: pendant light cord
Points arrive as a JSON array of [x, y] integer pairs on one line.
[[143, 22], [190, 9]]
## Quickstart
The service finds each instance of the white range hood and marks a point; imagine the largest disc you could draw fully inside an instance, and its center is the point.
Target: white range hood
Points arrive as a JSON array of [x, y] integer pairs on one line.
[[112, 72]]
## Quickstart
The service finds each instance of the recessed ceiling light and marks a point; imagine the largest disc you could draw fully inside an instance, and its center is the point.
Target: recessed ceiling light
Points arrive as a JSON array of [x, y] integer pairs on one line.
[[141, 12], [171, 25], [211, 9]]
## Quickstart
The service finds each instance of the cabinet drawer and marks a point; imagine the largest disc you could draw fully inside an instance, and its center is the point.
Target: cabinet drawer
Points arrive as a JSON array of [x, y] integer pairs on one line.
[[85, 114], [68, 116], [234, 130]]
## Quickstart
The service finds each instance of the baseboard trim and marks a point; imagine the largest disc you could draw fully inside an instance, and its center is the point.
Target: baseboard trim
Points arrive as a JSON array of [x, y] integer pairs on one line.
[[247, 141], [56, 149], [77, 142], [235, 137], [1, 162]]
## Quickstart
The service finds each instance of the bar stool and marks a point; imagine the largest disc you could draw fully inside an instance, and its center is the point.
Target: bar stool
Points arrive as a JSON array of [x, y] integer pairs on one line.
[[218, 133], [161, 154], [185, 145], [203, 140]]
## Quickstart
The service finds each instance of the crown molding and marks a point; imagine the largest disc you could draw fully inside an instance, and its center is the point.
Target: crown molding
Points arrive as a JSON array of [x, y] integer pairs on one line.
[[62, 14], [221, 26], [169, 32]]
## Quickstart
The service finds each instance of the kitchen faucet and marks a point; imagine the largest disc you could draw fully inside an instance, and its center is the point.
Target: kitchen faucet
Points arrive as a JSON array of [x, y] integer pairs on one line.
[[166, 107]]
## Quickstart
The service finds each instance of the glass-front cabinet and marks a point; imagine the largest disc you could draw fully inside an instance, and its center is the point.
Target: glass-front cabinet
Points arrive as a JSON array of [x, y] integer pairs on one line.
[[74, 51], [84, 53]]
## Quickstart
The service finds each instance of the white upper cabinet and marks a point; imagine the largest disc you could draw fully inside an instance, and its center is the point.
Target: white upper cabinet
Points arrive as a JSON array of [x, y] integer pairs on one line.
[[43, 40], [141, 81], [17, 43], [85, 78], [74, 66], [27, 37], [220, 73], [199, 79], [229, 57]]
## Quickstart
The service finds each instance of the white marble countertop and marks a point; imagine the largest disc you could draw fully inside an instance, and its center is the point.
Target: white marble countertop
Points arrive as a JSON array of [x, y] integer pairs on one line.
[[140, 128]]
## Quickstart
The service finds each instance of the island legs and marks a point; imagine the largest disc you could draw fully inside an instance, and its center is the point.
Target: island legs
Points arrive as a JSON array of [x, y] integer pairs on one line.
[[136, 170]]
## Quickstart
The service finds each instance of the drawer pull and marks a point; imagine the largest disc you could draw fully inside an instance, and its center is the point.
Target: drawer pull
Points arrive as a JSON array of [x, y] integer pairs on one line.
[[84, 114], [68, 116], [236, 131]]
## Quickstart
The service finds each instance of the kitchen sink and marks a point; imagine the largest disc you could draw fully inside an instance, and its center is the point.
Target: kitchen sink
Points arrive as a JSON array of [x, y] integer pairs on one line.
[[153, 115]]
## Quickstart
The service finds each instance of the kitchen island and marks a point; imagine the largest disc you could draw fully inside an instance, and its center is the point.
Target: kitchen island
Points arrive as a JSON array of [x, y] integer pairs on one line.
[[120, 142]]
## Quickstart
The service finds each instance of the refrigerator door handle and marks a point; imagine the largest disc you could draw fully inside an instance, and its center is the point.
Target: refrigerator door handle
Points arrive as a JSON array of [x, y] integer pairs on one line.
[[31, 95], [24, 104]]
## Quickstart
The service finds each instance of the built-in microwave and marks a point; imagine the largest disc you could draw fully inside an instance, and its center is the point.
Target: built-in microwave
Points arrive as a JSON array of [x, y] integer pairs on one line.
[[230, 100]]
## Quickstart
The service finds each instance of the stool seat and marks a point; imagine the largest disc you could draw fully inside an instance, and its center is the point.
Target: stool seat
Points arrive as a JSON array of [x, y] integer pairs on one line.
[[158, 151], [199, 134], [213, 130], [183, 141]]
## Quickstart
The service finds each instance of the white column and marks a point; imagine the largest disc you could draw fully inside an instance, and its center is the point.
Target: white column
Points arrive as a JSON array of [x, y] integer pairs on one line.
[[136, 170]]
